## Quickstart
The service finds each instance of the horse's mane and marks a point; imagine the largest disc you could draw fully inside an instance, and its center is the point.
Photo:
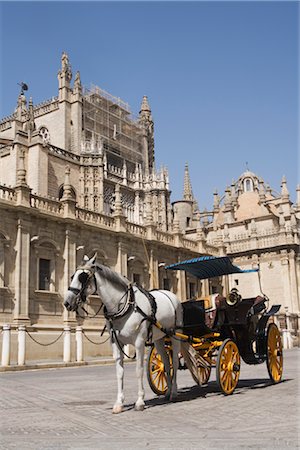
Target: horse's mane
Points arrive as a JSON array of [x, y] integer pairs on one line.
[[112, 276]]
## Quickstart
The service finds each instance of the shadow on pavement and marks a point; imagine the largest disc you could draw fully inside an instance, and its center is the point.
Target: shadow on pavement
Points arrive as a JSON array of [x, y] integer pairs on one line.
[[195, 392]]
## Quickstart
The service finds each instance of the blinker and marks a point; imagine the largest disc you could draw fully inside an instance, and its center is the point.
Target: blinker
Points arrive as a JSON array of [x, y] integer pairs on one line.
[[83, 277]]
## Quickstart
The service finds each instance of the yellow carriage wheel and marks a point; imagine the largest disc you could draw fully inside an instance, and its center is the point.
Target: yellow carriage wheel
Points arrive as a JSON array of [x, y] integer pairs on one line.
[[228, 366], [204, 374], [156, 371], [274, 353]]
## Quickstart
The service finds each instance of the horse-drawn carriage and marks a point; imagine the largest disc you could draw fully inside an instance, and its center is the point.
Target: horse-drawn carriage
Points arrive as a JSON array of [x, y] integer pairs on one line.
[[219, 336], [233, 328]]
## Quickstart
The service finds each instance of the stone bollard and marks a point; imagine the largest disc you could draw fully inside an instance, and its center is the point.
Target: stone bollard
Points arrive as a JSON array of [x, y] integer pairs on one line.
[[67, 344], [79, 344], [286, 339], [21, 345], [5, 361]]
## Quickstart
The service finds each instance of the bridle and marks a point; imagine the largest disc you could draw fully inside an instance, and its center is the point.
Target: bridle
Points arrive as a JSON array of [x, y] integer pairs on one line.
[[84, 278]]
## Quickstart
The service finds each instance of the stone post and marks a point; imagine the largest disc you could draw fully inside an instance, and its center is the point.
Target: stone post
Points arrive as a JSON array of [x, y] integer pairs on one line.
[[21, 309], [79, 344], [5, 361], [21, 345], [67, 344]]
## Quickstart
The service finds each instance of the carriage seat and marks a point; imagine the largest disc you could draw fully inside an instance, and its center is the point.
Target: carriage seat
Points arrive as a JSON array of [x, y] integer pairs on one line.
[[239, 314], [194, 319], [212, 315]]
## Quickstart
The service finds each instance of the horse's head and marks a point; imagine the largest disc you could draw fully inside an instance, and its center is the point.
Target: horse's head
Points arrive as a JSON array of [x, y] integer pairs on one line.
[[83, 283]]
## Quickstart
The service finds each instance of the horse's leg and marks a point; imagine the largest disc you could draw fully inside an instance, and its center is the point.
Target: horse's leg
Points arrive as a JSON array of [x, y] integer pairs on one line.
[[118, 357], [176, 349], [160, 347], [140, 351]]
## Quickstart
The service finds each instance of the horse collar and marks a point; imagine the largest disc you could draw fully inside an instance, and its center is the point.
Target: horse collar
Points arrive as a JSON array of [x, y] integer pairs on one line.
[[125, 309]]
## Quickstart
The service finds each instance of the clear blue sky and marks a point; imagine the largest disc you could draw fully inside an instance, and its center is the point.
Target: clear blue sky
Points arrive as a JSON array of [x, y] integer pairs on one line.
[[221, 77]]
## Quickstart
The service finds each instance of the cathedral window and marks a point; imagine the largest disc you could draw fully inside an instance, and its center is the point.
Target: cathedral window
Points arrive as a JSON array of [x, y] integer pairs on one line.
[[46, 253], [248, 185], [44, 274]]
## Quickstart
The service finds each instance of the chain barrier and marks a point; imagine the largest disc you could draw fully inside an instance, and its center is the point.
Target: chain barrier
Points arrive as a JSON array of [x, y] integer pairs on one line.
[[45, 345], [92, 342]]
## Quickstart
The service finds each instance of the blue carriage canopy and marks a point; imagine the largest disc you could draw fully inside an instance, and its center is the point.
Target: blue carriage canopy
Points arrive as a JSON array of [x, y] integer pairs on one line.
[[208, 267]]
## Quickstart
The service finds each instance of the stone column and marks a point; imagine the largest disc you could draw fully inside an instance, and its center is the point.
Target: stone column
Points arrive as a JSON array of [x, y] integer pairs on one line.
[[21, 345], [5, 360], [69, 256], [295, 305], [67, 344], [21, 310], [286, 278], [79, 344]]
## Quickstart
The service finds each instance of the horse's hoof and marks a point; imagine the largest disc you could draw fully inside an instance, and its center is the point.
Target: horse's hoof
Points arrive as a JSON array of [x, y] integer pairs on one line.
[[139, 407], [117, 409]]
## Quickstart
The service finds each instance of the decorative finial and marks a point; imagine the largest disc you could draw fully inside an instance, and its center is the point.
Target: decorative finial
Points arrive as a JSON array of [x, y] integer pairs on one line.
[[77, 83], [67, 188], [285, 195], [187, 187], [145, 105]]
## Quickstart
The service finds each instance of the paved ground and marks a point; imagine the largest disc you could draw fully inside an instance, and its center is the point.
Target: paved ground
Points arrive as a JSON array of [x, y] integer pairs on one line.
[[70, 408]]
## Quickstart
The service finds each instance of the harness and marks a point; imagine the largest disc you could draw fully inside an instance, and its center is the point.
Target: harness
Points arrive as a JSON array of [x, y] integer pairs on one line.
[[127, 307], [130, 304]]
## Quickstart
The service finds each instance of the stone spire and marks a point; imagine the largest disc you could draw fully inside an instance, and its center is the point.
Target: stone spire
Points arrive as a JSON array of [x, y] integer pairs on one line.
[[146, 121], [77, 84], [64, 77], [187, 187], [285, 195], [21, 106], [67, 188], [261, 191], [29, 125], [118, 201], [298, 196], [145, 111], [21, 171], [216, 201]]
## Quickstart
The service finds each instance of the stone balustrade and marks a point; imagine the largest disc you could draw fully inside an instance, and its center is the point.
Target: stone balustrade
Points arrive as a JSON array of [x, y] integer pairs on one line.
[[8, 194], [95, 218], [46, 107], [52, 206], [134, 228]]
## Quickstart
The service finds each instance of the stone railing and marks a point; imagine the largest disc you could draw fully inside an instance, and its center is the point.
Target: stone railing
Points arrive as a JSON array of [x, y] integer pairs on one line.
[[49, 205], [7, 193], [95, 218], [46, 107], [134, 228], [63, 153], [166, 238], [190, 245]]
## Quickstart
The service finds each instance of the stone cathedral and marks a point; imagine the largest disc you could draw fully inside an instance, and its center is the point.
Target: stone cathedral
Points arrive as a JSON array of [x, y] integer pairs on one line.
[[78, 176]]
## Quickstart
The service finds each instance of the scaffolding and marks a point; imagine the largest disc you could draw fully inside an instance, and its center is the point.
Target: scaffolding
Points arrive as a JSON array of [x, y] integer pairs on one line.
[[109, 124]]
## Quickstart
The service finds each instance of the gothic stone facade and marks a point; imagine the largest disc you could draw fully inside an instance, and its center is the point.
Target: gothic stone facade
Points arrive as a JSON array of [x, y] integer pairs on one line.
[[77, 175]]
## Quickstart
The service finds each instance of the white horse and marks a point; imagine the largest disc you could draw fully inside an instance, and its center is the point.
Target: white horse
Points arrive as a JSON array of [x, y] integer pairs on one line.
[[132, 318]]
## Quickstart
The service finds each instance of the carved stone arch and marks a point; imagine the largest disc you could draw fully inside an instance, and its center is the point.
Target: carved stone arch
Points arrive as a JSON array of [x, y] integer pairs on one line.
[[48, 243], [138, 271], [47, 253]]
